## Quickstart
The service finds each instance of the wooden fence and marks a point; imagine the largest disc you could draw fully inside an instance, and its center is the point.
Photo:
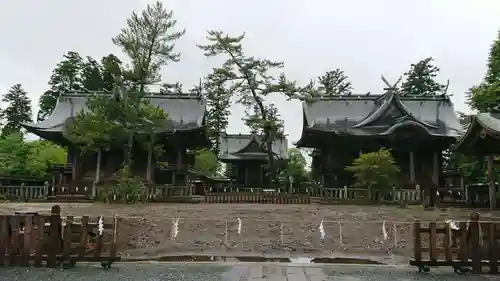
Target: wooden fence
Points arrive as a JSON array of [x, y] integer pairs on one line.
[[466, 244], [32, 239], [363, 195], [257, 198], [23, 192]]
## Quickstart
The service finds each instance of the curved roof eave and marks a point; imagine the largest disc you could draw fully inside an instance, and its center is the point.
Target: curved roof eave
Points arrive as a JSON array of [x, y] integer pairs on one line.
[[480, 120], [393, 128], [467, 135], [375, 115]]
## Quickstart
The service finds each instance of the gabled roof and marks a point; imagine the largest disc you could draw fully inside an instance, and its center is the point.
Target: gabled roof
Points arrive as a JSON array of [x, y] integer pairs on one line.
[[249, 146], [365, 115], [185, 111], [482, 135]]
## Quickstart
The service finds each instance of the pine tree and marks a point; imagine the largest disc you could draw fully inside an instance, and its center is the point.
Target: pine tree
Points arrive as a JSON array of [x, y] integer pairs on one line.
[[149, 41], [218, 96], [91, 75], [18, 110], [333, 83], [420, 80], [65, 77], [251, 79], [111, 69]]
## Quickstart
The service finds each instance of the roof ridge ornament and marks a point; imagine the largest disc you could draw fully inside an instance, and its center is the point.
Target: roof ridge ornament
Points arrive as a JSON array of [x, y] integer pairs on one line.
[[391, 88]]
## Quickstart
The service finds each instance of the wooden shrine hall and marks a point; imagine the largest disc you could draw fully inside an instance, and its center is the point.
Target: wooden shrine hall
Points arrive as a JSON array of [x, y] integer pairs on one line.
[[482, 139], [246, 155], [183, 132], [416, 129]]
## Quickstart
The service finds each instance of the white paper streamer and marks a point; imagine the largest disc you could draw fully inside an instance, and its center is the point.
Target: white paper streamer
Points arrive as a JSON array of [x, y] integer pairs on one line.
[[225, 234], [453, 224], [321, 230], [384, 230], [239, 226], [281, 233], [395, 235], [175, 228], [341, 240], [100, 227]]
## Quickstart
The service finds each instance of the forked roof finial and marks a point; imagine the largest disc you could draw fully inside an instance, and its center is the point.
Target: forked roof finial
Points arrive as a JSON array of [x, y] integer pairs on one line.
[[390, 87]]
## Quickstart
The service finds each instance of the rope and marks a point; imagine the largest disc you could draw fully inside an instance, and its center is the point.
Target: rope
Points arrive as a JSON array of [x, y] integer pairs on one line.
[[294, 221]]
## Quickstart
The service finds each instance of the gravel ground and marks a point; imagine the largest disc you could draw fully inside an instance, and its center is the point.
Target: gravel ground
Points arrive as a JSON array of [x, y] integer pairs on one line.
[[273, 230], [228, 272]]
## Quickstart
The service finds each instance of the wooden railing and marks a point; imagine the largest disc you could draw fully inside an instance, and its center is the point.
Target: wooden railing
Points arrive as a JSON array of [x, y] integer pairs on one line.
[[347, 194], [167, 190], [457, 244], [257, 198], [27, 239], [23, 192]]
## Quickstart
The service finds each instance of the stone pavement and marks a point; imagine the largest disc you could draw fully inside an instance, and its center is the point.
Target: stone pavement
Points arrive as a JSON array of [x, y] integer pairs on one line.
[[232, 272]]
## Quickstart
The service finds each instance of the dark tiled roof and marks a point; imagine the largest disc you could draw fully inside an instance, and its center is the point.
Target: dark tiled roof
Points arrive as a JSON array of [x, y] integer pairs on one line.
[[489, 143], [185, 111], [357, 115], [232, 146]]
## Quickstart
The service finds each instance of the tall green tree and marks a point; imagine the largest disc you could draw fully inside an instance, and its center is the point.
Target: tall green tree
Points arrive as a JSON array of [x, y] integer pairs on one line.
[[218, 94], [111, 68], [42, 155], [252, 81], [334, 82], [206, 162], [420, 80], [117, 120], [486, 96], [65, 77], [91, 75], [18, 110], [256, 123], [149, 41], [294, 167]]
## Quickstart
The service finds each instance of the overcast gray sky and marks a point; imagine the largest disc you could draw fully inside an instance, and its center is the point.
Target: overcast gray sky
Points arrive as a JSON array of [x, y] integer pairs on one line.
[[365, 38]]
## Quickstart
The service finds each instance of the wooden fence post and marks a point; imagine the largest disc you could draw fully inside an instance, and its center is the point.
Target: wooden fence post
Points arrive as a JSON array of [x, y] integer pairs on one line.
[[40, 232], [475, 245], [66, 256], [4, 237], [14, 240], [493, 251], [27, 245], [417, 242], [21, 192], [54, 246]]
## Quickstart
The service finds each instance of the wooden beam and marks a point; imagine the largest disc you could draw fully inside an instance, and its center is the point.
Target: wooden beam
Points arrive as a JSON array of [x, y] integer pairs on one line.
[[492, 184]]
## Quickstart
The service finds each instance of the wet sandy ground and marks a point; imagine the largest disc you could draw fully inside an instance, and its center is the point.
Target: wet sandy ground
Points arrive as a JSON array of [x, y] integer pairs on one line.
[[271, 230], [232, 272]]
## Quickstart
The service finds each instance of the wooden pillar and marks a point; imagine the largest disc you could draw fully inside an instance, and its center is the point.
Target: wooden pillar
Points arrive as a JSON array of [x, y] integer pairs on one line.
[[98, 166], [412, 168], [97, 172], [261, 175], [149, 164], [74, 172], [246, 174], [492, 184], [435, 168]]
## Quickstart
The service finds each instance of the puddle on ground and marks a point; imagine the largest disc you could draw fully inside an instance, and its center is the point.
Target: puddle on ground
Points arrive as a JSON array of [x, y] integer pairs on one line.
[[300, 260]]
